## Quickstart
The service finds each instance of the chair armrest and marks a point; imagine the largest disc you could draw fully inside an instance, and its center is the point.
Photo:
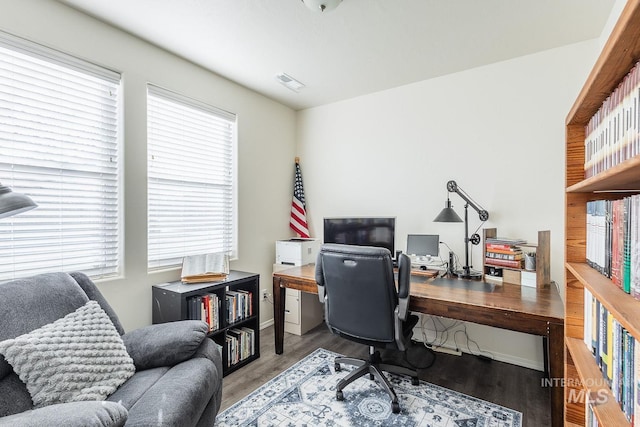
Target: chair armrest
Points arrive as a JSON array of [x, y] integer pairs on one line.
[[165, 344], [209, 350], [73, 414], [404, 285], [320, 280]]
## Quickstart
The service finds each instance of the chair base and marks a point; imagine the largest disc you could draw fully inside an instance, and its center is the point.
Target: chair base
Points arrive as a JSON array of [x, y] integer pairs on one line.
[[374, 367]]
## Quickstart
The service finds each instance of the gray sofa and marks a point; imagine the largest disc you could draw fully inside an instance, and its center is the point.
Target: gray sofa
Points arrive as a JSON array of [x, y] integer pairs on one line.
[[178, 371]]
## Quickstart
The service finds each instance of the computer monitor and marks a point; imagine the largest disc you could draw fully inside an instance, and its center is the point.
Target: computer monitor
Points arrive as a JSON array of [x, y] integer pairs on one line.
[[362, 231], [423, 245]]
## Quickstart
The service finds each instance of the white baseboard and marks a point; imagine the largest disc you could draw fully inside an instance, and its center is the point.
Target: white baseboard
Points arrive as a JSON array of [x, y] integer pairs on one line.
[[519, 361], [450, 349], [501, 357]]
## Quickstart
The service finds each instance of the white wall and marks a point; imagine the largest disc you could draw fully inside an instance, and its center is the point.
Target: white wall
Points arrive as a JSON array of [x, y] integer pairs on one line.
[[266, 131], [497, 130]]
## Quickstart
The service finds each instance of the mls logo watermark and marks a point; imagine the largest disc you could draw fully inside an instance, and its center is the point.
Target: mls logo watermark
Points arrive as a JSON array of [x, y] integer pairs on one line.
[[597, 397], [578, 392]]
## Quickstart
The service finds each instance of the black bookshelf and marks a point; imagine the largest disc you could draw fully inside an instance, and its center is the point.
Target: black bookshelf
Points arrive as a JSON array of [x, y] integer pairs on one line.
[[178, 301]]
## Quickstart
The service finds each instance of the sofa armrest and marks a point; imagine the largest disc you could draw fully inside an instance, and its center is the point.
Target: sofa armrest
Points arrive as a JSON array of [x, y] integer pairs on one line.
[[73, 414], [165, 344], [211, 351]]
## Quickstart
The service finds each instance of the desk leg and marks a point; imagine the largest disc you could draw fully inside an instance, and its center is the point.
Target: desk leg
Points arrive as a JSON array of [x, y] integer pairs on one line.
[[545, 353], [556, 371], [278, 314]]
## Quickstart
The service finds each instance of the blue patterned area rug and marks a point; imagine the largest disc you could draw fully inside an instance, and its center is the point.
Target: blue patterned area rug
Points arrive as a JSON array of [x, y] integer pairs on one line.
[[304, 395]]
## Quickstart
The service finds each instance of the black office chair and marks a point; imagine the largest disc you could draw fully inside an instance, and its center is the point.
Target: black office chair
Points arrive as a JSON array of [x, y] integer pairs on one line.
[[361, 303]]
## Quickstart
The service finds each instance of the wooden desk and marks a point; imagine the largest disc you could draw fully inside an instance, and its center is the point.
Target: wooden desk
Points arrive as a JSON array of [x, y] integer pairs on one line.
[[529, 310]]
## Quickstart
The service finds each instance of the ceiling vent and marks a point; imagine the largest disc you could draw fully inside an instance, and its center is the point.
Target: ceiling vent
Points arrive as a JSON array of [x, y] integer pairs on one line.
[[289, 82]]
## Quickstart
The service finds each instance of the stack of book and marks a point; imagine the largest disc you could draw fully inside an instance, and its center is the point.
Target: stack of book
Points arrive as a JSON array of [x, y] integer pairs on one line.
[[503, 252], [613, 133]]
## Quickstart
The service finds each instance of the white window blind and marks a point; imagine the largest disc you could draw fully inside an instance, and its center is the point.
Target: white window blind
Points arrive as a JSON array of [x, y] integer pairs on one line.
[[191, 179], [58, 144]]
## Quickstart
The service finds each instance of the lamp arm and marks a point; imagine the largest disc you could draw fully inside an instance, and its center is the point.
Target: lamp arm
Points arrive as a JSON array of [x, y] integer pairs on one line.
[[453, 187]]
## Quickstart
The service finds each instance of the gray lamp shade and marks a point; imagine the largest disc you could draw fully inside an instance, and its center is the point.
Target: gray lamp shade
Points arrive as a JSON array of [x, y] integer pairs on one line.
[[447, 214], [13, 203]]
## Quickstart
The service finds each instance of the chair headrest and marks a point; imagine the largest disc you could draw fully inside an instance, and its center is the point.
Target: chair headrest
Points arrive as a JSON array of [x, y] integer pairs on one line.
[[369, 251]]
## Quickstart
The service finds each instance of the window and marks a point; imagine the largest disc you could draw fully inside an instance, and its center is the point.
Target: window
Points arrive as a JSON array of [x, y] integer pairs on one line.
[[191, 179], [59, 125]]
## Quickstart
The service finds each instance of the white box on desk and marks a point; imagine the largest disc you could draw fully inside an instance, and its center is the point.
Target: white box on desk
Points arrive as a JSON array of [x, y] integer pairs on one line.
[[528, 279], [297, 251]]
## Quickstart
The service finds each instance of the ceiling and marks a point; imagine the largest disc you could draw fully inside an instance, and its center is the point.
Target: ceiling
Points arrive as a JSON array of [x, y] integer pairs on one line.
[[363, 46]]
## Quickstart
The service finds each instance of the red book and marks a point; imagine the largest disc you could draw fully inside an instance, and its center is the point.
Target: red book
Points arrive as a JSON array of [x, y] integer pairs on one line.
[[503, 262], [207, 313], [491, 246], [615, 243], [512, 251]]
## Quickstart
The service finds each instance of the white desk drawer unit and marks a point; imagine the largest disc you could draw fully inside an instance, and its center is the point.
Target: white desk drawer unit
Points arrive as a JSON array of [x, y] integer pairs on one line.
[[302, 311]]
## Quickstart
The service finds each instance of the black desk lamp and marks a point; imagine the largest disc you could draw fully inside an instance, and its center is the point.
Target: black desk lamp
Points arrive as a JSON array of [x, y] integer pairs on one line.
[[449, 215]]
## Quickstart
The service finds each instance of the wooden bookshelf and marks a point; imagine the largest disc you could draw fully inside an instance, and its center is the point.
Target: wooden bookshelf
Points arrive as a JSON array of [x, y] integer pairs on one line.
[[582, 375], [542, 248], [170, 303]]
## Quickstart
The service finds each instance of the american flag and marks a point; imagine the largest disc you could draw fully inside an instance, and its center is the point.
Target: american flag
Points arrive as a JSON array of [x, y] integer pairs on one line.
[[298, 221]]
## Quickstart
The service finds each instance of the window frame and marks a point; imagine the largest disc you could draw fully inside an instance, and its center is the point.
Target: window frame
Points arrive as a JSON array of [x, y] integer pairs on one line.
[[153, 264], [46, 191]]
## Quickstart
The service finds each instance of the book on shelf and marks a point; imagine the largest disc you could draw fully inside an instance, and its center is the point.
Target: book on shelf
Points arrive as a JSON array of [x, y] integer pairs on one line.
[[211, 267], [634, 238], [503, 255], [616, 352], [613, 241], [617, 236], [506, 242], [229, 346], [239, 305], [500, 247], [613, 133], [240, 344], [206, 308], [252, 339], [503, 262]]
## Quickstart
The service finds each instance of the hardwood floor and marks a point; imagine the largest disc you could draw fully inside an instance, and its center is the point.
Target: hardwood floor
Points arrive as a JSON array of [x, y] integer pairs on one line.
[[501, 383]]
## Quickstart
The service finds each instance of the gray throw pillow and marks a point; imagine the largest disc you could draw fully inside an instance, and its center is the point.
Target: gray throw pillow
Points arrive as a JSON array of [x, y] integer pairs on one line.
[[78, 357]]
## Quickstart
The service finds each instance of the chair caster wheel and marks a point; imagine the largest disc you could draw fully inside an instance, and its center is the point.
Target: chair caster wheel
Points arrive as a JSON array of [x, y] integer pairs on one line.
[[339, 395], [371, 377], [337, 367], [415, 381], [395, 407]]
